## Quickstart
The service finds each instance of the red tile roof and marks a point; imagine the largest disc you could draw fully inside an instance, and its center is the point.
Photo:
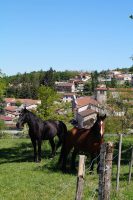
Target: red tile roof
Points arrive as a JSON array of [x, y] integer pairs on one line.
[[28, 101], [101, 89], [23, 101], [82, 101], [10, 100], [5, 118], [11, 108]]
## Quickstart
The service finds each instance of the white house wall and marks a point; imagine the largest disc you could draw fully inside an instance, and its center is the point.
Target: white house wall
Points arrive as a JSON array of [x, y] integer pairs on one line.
[[83, 108], [89, 117]]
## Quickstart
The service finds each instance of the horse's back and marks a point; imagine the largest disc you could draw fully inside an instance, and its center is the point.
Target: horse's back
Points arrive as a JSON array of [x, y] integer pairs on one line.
[[83, 140], [53, 128]]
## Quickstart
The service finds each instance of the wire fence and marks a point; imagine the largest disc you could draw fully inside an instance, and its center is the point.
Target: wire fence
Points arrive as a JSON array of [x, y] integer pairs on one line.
[[94, 192]]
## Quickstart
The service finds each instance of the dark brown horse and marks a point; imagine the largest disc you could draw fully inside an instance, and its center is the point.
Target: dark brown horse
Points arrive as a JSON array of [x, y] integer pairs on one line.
[[83, 141], [42, 130]]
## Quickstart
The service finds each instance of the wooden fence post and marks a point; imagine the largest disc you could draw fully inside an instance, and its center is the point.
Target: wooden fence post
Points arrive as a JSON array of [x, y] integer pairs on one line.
[[119, 163], [130, 167], [106, 155], [80, 178]]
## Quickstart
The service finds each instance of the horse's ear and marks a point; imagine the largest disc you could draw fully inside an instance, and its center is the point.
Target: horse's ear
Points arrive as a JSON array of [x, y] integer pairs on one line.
[[24, 109], [98, 115], [103, 118]]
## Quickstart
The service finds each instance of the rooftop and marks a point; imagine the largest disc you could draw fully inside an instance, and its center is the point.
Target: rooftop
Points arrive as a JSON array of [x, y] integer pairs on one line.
[[82, 101]]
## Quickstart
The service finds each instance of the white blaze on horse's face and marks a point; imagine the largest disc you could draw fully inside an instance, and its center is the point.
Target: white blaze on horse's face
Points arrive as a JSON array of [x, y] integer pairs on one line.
[[101, 128]]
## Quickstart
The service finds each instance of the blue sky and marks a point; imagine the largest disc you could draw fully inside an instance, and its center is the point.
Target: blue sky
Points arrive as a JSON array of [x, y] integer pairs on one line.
[[65, 35]]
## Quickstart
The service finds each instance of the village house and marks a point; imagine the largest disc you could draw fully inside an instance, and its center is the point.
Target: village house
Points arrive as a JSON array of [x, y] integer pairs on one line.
[[13, 106], [68, 97], [119, 76], [65, 87], [83, 76], [85, 109], [11, 111], [101, 94], [29, 103], [9, 121]]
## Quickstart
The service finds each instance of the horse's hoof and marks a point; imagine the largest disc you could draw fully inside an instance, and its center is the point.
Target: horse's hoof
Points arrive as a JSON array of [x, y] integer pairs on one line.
[[64, 170], [73, 169], [37, 161]]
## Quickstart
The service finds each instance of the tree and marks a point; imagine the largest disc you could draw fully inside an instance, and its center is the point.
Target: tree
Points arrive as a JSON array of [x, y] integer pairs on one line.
[[87, 88], [127, 84], [49, 78], [113, 82], [2, 126], [2, 91], [131, 16], [48, 97], [94, 80], [122, 113]]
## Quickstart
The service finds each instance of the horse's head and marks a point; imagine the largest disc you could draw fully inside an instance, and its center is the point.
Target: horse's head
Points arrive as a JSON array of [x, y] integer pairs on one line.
[[23, 118], [99, 124]]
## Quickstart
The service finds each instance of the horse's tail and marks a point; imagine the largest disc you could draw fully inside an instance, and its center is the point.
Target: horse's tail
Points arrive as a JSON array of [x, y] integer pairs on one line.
[[63, 141], [63, 131], [62, 152]]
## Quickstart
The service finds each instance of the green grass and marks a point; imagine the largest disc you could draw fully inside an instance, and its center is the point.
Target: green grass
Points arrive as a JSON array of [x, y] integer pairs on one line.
[[22, 179]]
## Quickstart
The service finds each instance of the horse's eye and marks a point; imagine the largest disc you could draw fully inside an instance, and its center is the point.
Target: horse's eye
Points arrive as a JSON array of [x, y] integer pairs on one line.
[[20, 115]]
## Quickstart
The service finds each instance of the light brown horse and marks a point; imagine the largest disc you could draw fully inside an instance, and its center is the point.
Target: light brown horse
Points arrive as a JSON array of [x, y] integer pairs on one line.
[[83, 140]]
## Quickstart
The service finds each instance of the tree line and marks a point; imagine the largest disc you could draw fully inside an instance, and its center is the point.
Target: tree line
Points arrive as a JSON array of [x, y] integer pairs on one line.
[[26, 85]]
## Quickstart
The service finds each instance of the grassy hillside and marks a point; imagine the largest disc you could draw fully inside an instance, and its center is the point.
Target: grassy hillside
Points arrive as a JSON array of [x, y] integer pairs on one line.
[[22, 179]]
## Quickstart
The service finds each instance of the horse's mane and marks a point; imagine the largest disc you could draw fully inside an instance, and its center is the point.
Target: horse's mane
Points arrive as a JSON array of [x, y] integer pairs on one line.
[[34, 115], [94, 125]]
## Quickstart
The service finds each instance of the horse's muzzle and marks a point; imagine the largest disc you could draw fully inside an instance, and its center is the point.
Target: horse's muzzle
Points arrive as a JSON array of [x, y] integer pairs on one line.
[[18, 125]]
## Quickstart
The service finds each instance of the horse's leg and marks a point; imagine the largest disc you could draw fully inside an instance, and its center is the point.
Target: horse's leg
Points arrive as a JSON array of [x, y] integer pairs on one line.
[[58, 144], [74, 153], [64, 161], [35, 152], [98, 162], [39, 150], [65, 154], [52, 143], [92, 162]]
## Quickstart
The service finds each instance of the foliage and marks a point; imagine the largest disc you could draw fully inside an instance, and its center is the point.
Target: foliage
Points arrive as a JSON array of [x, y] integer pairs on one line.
[[131, 69], [48, 96], [127, 84], [113, 125], [26, 85], [51, 107], [49, 78], [94, 80], [2, 91], [2, 125], [65, 112], [87, 88], [18, 103], [23, 85], [113, 82], [120, 107]]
